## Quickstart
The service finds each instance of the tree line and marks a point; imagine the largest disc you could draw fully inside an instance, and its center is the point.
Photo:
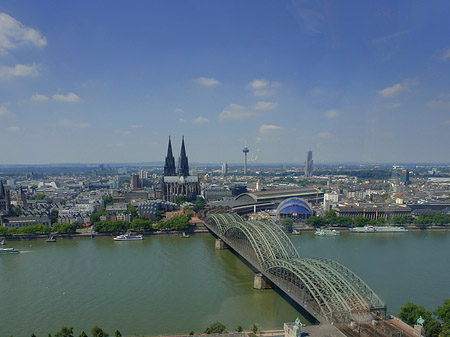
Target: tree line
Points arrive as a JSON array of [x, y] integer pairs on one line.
[[61, 228], [331, 219], [435, 324], [178, 222]]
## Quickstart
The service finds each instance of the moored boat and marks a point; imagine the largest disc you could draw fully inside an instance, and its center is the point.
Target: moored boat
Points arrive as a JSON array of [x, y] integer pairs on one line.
[[326, 232], [51, 238], [9, 251], [128, 237], [365, 229]]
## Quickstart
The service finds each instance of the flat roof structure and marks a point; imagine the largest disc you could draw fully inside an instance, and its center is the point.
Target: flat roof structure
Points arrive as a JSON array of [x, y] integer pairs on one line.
[[312, 195]]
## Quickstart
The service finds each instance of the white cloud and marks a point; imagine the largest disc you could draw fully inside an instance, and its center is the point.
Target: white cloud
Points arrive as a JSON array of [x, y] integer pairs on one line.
[[179, 111], [14, 34], [237, 112], [442, 102], [265, 129], [19, 70], [209, 82], [181, 120], [15, 128], [262, 87], [261, 105], [446, 54], [70, 98], [259, 83], [123, 132], [397, 88], [39, 98], [332, 113], [74, 124], [324, 135], [447, 122], [136, 126], [200, 120], [3, 111]]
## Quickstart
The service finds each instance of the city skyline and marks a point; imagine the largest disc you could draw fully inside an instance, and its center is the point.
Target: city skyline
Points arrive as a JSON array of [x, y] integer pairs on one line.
[[104, 83]]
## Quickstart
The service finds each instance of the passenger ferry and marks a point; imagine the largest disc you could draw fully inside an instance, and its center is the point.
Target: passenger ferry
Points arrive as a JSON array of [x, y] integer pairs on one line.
[[326, 232], [379, 229], [128, 237]]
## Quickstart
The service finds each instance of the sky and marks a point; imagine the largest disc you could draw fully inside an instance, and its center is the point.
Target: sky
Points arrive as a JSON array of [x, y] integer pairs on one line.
[[109, 81]]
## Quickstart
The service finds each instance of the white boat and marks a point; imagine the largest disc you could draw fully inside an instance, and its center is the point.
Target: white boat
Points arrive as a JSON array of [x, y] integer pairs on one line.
[[390, 229], [326, 232], [129, 237], [8, 251], [365, 229], [379, 229], [2, 242]]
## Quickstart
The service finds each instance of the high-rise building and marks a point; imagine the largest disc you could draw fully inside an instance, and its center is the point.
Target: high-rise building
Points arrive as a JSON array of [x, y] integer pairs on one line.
[[183, 184], [404, 177], [135, 182], [245, 150], [309, 164], [224, 168]]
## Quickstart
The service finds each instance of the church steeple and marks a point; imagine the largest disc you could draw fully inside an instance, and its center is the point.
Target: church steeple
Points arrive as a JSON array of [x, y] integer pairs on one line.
[[183, 165], [2, 190], [169, 166]]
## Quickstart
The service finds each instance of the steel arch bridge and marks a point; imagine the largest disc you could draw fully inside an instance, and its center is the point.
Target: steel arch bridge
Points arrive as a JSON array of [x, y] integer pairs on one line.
[[326, 289]]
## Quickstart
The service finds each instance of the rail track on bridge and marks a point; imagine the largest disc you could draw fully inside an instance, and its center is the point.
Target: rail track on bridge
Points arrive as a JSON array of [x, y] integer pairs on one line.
[[326, 289]]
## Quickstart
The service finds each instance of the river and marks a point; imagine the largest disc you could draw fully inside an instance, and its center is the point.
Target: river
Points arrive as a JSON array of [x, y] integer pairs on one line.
[[169, 285]]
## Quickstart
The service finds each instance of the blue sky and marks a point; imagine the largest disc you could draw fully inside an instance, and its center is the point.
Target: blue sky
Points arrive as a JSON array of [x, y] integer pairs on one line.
[[109, 81]]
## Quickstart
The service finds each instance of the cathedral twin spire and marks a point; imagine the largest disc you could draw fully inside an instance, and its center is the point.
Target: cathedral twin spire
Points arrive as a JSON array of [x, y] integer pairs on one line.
[[183, 164]]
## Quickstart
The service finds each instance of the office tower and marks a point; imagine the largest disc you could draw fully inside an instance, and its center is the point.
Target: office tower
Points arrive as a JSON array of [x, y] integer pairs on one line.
[[224, 168], [309, 164]]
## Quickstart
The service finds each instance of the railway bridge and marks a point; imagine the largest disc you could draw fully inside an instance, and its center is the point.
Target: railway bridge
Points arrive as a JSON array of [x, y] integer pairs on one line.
[[326, 289]]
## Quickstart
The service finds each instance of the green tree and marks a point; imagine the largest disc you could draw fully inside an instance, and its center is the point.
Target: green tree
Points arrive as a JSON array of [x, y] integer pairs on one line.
[[216, 327], [65, 332], [239, 329], [117, 334], [287, 223], [65, 228], [410, 312], [53, 216], [443, 312], [199, 203], [316, 221], [432, 328], [180, 200], [255, 328], [107, 200], [38, 197], [191, 332], [98, 332], [132, 210], [83, 334]]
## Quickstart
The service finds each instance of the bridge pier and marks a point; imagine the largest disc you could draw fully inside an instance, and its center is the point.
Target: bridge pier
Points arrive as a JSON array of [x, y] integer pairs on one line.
[[260, 282], [221, 245]]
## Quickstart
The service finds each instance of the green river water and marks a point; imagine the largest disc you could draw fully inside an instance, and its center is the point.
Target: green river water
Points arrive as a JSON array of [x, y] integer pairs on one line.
[[169, 285]]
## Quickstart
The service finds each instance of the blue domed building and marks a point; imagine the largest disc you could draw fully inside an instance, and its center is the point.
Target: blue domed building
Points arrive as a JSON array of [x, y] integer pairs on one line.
[[295, 208]]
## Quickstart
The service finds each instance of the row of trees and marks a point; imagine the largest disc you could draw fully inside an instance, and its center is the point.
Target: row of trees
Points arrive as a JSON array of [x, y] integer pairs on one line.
[[218, 327], [331, 219], [178, 222], [436, 323], [61, 228], [33, 229]]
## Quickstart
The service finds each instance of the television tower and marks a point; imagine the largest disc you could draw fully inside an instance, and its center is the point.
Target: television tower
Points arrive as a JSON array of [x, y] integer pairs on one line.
[[245, 150]]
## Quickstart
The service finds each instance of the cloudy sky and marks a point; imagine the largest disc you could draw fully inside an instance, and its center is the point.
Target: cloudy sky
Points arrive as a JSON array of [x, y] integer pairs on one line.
[[109, 81]]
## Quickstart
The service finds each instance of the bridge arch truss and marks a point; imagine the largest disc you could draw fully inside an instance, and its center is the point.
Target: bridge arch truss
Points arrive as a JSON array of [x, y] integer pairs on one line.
[[325, 288]]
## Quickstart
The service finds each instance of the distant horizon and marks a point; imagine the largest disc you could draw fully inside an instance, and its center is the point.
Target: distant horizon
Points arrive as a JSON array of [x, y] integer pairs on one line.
[[196, 164]]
